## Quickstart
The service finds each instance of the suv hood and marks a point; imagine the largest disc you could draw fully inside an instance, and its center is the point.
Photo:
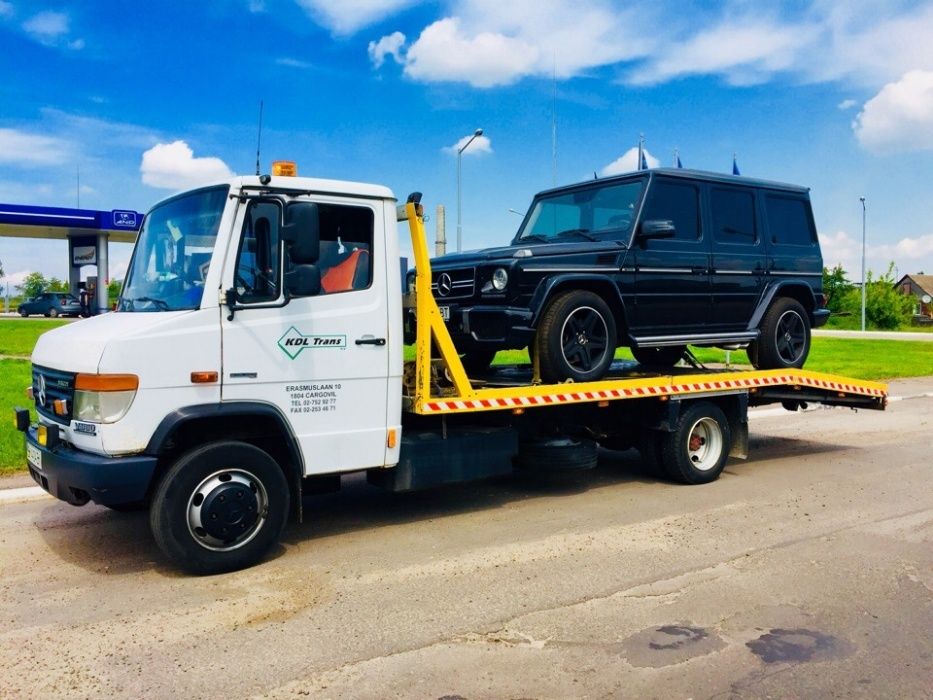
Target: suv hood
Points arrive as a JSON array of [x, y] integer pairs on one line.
[[79, 346], [507, 253]]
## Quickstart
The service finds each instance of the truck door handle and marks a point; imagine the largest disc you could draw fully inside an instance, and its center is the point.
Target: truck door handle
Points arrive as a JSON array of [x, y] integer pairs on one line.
[[370, 341]]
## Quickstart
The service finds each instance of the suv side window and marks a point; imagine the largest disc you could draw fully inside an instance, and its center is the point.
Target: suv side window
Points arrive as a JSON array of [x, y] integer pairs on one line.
[[733, 216], [789, 220], [258, 265], [678, 202], [346, 234]]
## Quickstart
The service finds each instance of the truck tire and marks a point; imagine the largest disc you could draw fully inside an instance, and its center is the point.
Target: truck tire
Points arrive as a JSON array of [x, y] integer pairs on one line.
[[784, 336], [695, 452], [219, 508], [557, 454], [576, 338], [659, 357]]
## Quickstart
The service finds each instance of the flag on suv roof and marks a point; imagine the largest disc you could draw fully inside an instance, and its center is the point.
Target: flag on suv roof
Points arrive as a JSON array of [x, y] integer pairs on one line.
[[735, 166]]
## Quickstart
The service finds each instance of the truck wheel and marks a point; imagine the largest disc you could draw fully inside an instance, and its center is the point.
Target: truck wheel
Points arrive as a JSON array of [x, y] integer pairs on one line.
[[660, 357], [576, 338], [784, 336], [220, 508], [695, 451], [557, 454]]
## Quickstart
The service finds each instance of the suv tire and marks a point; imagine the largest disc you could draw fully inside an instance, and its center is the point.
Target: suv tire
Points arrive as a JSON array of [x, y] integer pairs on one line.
[[784, 339], [576, 338], [659, 357]]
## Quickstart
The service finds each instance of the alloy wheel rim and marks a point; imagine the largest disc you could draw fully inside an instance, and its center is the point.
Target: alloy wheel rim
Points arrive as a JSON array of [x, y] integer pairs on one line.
[[584, 339], [790, 337]]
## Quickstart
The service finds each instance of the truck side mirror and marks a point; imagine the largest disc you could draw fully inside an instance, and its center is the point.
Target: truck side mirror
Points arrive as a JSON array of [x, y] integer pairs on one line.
[[657, 228], [303, 281], [301, 233]]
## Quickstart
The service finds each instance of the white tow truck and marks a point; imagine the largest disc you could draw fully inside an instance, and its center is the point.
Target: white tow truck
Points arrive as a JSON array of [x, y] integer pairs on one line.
[[257, 352]]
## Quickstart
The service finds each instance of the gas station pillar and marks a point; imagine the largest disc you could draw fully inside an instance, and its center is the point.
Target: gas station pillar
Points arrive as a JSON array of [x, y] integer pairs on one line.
[[103, 273]]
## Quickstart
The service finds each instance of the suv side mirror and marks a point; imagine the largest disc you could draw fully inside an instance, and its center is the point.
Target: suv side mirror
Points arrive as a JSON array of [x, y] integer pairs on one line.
[[301, 233], [657, 228]]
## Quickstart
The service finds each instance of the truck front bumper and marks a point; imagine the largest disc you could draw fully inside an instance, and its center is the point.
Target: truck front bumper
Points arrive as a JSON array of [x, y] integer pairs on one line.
[[77, 477]]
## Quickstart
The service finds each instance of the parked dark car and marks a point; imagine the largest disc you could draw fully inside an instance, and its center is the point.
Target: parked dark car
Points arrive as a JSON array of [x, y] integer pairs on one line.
[[654, 260], [51, 304]]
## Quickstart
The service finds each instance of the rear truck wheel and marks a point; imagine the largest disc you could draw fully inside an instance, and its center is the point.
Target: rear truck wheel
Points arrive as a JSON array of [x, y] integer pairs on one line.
[[557, 454], [219, 508], [476, 360], [695, 452], [659, 357], [784, 338], [576, 338]]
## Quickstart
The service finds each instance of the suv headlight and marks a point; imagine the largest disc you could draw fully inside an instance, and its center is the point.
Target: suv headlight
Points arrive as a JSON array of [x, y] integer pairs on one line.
[[103, 398], [500, 279]]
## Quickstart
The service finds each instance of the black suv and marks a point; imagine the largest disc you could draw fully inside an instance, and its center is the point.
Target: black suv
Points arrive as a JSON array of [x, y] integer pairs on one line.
[[655, 260]]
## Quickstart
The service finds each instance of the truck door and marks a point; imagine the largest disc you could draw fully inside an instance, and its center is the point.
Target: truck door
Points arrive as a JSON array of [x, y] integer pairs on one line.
[[321, 360]]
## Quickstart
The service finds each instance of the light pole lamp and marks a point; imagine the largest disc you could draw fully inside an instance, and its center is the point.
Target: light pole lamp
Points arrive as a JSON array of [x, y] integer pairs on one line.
[[862, 200], [478, 132]]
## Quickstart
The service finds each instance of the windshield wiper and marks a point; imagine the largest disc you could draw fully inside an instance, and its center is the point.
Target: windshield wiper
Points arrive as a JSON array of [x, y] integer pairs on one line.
[[577, 232], [160, 304]]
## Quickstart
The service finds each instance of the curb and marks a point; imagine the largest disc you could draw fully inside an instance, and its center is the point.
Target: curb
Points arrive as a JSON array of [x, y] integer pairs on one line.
[[22, 495]]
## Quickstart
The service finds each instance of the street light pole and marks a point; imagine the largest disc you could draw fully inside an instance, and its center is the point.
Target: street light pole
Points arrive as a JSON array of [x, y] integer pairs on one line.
[[862, 200], [478, 132]]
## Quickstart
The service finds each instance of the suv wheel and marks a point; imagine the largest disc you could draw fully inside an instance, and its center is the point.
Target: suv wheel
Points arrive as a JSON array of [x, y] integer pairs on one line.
[[576, 338], [784, 339], [660, 357]]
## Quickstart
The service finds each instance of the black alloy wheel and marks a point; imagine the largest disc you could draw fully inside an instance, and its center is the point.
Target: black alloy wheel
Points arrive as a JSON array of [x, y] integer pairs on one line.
[[576, 338], [784, 340]]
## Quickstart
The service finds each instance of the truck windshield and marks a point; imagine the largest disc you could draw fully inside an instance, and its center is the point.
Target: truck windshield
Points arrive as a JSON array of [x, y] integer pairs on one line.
[[599, 211], [173, 253]]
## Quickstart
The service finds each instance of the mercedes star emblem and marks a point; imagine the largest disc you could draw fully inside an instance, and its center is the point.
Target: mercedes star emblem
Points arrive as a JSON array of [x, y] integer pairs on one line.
[[444, 284], [40, 394]]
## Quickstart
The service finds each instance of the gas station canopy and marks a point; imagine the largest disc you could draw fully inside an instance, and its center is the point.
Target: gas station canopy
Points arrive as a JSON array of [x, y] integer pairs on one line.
[[27, 221]]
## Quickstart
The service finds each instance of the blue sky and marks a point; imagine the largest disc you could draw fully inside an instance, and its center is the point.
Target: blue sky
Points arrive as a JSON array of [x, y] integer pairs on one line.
[[147, 98]]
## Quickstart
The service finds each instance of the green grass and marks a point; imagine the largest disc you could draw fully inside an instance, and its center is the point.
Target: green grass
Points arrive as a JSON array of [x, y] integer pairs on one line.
[[15, 376], [18, 336]]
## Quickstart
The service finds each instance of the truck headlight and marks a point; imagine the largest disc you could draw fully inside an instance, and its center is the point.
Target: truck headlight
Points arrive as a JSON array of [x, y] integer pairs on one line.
[[103, 398], [500, 279]]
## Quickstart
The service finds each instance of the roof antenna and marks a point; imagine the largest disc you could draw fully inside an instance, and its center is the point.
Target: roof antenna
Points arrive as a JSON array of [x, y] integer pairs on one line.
[[259, 137]]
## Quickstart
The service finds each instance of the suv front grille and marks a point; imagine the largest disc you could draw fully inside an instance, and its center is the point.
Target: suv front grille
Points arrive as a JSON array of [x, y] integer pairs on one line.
[[49, 385], [453, 284]]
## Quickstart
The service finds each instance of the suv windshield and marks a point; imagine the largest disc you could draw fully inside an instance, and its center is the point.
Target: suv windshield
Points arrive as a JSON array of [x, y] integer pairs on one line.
[[173, 253], [582, 213]]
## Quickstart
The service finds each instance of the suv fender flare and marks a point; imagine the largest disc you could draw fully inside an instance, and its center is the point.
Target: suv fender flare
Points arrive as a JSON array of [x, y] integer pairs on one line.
[[215, 412], [597, 283], [796, 289]]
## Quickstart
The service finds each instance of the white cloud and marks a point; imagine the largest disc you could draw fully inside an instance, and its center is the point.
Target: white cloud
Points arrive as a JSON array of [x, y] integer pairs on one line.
[[27, 149], [173, 166], [628, 162], [345, 17], [481, 144], [52, 29], [390, 45], [293, 63], [846, 104], [900, 116], [909, 254]]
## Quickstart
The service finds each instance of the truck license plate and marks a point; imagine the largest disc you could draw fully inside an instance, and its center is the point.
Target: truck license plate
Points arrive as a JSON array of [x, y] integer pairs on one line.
[[445, 312], [34, 456]]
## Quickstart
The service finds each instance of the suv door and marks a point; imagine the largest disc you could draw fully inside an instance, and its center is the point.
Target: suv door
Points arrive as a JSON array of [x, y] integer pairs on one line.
[[672, 295], [738, 263], [305, 357]]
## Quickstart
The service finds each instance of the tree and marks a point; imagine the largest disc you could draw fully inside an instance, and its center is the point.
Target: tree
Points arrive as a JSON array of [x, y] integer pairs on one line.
[[885, 307], [57, 285], [113, 290], [33, 284], [835, 286]]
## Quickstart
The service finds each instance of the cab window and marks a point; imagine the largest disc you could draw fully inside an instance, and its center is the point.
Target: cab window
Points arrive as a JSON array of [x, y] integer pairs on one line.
[[346, 235], [258, 265]]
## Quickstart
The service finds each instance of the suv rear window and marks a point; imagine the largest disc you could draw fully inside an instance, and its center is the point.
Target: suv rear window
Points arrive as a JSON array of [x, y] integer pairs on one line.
[[789, 220], [733, 216]]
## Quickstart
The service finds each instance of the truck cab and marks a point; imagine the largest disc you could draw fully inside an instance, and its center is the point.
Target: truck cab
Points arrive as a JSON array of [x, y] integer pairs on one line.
[[262, 309]]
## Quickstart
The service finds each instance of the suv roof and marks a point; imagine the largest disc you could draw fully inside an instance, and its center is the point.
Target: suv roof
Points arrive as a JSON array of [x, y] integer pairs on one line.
[[686, 174]]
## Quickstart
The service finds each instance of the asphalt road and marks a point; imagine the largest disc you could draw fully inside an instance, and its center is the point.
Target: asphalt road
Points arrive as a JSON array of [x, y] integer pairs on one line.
[[805, 571]]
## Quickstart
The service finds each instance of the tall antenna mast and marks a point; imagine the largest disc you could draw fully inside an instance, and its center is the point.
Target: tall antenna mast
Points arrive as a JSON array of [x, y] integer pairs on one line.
[[554, 126], [259, 137]]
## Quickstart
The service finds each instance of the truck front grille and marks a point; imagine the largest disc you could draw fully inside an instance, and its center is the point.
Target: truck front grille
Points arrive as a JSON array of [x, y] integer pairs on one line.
[[49, 385]]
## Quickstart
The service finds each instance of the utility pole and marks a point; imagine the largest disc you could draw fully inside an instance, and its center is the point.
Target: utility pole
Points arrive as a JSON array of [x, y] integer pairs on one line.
[[440, 236], [862, 200], [478, 132]]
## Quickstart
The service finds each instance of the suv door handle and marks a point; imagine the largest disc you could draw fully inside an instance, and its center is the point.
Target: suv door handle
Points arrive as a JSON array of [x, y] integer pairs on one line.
[[699, 270], [370, 341]]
